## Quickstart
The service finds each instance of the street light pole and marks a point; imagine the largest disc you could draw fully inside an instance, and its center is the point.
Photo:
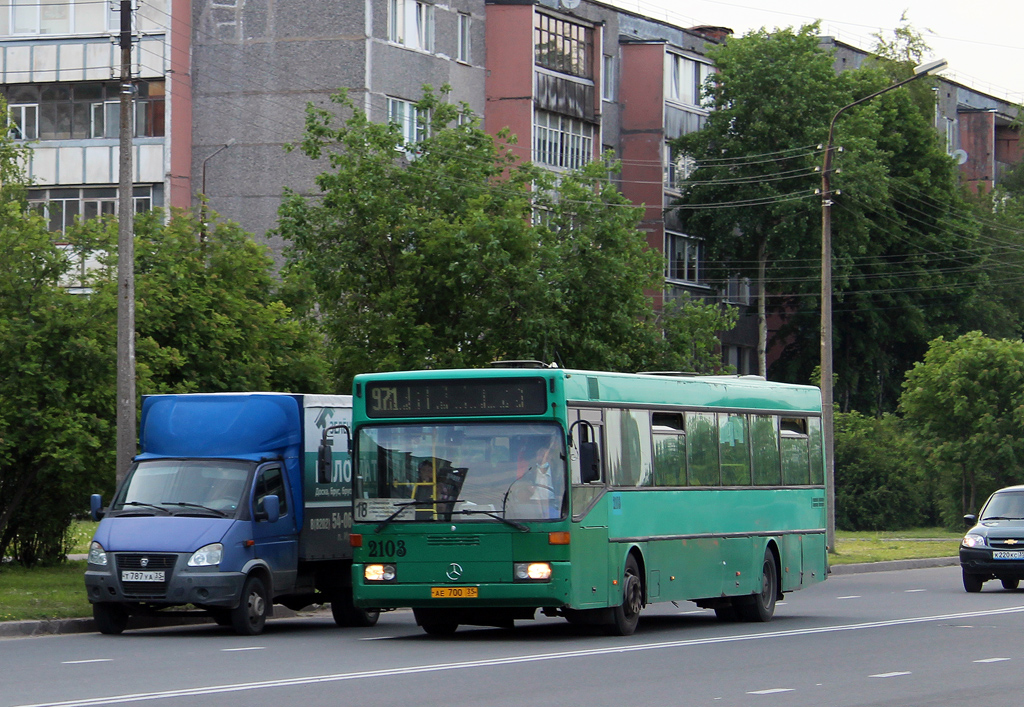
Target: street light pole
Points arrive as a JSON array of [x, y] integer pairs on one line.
[[827, 412], [202, 210]]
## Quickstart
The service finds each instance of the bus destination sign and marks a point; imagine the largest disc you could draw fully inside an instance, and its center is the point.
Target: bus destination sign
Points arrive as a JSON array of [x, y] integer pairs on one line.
[[488, 396]]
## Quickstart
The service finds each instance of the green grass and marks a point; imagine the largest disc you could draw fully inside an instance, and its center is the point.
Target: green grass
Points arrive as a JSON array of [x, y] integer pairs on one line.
[[43, 592], [894, 545], [59, 592]]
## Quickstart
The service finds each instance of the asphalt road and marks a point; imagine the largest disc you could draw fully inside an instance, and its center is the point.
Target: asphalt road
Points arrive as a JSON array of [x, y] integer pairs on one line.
[[911, 637]]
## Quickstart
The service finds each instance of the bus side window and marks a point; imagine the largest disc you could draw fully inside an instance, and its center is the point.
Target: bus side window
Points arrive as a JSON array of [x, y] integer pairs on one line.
[[582, 433], [702, 449], [735, 449], [629, 447], [817, 450], [795, 457], [669, 449], [764, 436]]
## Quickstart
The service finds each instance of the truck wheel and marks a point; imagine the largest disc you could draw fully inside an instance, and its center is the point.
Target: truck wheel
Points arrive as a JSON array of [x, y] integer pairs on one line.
[[345, 614], [250, 615], [110, 619]]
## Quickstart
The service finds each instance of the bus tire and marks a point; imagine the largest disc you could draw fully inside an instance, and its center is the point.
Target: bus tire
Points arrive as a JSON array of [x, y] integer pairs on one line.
[[250, 615], [761, 606], [972, 582], [111, 619], [626, 615], [436, 622], [345, 613]]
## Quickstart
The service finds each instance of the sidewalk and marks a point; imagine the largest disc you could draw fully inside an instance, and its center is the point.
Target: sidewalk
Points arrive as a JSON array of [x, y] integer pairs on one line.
[[13, 629]]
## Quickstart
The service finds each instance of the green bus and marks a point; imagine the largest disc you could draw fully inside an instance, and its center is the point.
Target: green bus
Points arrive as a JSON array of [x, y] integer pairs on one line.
[[482, 496]]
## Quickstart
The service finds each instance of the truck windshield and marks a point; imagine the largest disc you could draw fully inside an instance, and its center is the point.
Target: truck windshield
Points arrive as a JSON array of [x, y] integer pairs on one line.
[[471, 471], [184, 486]]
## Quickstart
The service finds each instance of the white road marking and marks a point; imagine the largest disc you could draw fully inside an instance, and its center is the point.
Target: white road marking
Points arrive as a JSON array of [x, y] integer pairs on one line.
[[511, 660], [991, 660], [771, 691], [914, 591], [249, 648], [91, 660], [890, 675], [852, 596]]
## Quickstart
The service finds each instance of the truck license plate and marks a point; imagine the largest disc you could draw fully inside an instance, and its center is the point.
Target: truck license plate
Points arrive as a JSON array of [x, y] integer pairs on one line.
[[454, 592], [153, 576], [1008, 554]]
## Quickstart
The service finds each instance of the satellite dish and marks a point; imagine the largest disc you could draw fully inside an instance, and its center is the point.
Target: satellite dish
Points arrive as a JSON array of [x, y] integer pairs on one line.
[[570, 4], [960, 156]]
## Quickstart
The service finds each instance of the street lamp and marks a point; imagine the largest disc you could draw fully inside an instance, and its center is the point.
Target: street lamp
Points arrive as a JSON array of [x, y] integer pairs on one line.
[[827, 417], [202, 209]]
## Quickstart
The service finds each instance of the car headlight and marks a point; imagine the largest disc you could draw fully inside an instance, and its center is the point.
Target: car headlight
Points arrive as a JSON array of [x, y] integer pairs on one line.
[[97, 555], [531, 572], [973, 540], [379, 573], [207, 556]]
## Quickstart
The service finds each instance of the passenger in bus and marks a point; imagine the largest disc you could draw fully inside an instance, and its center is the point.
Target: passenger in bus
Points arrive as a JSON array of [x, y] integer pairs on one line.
[[538, 493], [423, 490]]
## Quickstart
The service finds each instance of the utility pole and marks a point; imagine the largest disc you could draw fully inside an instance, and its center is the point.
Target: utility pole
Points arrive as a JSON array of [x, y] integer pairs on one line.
[[126, 434]]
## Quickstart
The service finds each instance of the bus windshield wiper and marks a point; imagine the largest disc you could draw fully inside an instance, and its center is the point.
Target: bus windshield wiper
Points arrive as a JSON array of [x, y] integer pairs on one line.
[[401, 507], [219, 512], [145, 505], [492, 514]]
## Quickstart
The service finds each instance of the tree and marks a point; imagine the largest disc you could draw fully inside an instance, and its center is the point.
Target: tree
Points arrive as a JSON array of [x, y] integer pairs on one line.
[[449, 253], [966, 402]]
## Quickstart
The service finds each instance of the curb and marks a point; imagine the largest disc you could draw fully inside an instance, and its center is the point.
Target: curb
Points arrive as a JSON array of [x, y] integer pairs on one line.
[[52, 627]]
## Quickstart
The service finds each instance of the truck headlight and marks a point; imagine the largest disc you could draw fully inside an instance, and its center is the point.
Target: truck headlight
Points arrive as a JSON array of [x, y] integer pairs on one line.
[[973, 540], [379, 573], [97, 555], [531, 572], [207, 556]]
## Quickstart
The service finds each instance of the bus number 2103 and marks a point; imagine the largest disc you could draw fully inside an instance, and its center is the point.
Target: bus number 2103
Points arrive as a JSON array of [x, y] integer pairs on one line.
[[386, 548]]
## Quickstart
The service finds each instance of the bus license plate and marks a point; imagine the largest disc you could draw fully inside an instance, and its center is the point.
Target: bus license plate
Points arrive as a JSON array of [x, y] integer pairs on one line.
[[153, 576], [1008, 554], [454, 592]]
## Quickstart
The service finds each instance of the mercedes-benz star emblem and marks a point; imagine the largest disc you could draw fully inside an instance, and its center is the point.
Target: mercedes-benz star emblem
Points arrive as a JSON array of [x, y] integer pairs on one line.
[[144, 562], [454, 571]]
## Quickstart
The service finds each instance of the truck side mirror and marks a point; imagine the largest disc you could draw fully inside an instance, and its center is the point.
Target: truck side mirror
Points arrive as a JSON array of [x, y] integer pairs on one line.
[[590, 462], [269, 509], [96, 507]]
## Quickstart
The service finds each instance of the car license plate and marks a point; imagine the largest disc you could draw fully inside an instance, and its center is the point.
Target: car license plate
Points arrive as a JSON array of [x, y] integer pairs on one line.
[[454, 592], [1008, 554], [153, 576]]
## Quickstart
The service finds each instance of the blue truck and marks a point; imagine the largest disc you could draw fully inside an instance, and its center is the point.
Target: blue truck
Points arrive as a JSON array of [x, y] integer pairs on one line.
[[237, 501]]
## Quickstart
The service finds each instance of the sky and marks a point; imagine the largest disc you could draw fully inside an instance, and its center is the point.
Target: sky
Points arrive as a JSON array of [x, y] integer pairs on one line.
[[983, 40]]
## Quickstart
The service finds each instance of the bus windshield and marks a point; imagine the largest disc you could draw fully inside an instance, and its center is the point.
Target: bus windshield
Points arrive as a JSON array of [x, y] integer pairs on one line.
[[468, 471], [184, 487]]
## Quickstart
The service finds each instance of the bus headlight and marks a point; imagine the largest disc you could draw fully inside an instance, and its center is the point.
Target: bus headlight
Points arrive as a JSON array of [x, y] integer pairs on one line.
[[531, 572], [379, 573], [97, 555], [207, 556]]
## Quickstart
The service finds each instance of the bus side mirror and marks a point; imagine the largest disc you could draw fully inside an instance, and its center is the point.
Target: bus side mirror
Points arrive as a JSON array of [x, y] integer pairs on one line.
[[323, 460], [96, 506], [590, 462], [270, 509]]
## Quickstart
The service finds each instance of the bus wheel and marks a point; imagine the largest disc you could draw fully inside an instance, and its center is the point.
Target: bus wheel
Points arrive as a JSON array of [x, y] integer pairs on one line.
[[761, 606], [1010, 583], [346, 614], [250, 615], [626, 615], [727, 613], [972, 583], [110, 619], [435, 623]]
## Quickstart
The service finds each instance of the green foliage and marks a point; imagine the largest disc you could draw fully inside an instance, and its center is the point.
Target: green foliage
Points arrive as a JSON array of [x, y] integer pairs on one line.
[[877, 479], [966, 402], [449, 253]]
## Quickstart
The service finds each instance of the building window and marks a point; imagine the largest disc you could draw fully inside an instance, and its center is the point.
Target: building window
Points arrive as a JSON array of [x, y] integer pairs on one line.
[[82, 110], [610, 79], [463, 50], [62, 205], [52, 17], [563, 46], [411, 24], [406, 116], [737, 290], [678, 168], [682, 258], [560, 141], [684, 78]]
